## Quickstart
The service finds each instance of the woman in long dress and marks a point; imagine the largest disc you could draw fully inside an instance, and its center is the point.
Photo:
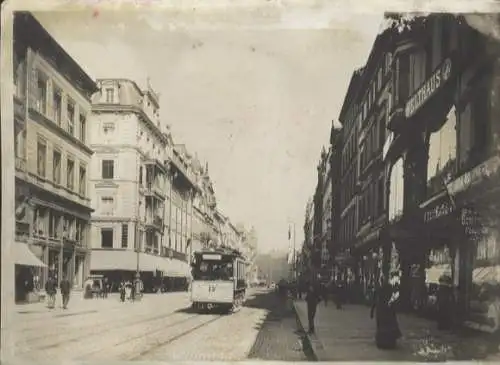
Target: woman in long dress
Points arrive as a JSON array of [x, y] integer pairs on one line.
[[388, 331]]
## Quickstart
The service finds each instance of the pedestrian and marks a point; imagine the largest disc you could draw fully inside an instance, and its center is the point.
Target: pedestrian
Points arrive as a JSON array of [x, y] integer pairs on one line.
[[122, 291], [65, 287], [388, 331], [51, 290], [445, 303], [313, 297], [105, 287]]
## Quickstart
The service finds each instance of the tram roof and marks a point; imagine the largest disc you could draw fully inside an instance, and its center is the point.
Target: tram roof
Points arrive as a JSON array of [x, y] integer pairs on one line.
[[221, 251]]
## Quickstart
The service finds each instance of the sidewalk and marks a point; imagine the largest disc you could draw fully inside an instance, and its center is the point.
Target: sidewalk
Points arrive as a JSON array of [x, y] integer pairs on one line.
[[78, 304], [349, 334]]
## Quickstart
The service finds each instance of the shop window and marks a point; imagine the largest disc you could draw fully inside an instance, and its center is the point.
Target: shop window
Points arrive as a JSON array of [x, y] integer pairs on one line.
[[396, 190], [441, 165], [107, 237]]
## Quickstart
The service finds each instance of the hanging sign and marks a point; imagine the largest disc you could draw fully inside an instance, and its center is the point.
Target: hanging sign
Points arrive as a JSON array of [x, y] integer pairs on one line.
[[428, 88]]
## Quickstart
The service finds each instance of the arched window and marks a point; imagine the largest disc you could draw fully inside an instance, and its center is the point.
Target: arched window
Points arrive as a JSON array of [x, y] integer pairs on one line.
[[396, 190]]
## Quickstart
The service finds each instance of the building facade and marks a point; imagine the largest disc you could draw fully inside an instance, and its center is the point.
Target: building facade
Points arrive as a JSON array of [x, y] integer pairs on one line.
[[446, 76], [51, 108], [142, 207]]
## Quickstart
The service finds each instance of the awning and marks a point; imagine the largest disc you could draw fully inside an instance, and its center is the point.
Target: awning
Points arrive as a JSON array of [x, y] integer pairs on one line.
[[487, 274], [24, 256], [126, 260], [177, 269]]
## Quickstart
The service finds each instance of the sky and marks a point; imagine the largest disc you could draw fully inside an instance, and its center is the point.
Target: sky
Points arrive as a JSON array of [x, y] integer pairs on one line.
[[255, 98]]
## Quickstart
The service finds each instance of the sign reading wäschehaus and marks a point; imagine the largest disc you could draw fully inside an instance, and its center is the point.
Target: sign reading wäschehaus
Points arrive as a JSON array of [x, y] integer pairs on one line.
[[428, 88]]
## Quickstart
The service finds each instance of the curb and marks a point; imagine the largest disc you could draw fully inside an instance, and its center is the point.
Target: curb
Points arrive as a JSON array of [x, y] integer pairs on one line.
[[312, 341]]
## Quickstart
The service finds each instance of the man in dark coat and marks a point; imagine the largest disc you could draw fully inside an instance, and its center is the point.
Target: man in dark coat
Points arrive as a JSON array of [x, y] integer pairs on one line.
[[65, 287], [51, 290], [313, 297]]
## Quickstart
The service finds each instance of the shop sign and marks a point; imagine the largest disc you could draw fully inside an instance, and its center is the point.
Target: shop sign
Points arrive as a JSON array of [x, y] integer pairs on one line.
[[474, 176], [429, 88], [438, 211]]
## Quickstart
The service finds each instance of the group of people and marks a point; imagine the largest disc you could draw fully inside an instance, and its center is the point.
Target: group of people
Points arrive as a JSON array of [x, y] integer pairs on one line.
[[131, 290], [383, 308], [51, 291]]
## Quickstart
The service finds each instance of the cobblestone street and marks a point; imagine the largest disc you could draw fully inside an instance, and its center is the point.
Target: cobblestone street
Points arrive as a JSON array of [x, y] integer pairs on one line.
[[160, 328]]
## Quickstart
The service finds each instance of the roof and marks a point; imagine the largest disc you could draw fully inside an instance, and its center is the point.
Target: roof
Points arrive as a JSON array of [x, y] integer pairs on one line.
[[29, 31], [355, 78]]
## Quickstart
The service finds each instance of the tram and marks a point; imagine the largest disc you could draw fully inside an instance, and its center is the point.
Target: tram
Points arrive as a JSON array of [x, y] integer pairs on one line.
[[218, 279]]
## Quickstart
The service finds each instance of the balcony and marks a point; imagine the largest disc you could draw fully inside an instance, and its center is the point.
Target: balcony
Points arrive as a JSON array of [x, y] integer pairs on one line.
[[22, 231], [153, 190], [20, 164], [182, 168], [155, 222], [19, 109]]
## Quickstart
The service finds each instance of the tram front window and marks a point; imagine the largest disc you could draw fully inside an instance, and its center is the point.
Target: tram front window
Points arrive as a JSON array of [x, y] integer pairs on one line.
[[213, 270]]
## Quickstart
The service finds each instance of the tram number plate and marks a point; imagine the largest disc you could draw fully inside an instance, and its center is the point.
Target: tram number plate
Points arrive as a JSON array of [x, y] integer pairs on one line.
[[211, 288]]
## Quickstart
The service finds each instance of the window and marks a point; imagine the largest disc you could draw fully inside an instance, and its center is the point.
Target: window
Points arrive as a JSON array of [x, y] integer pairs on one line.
[[124, 235], [70, 174], [108, 167], [71, 117], [41, 158], [41, 93], [379, 78], [57, 101], [82, 180], [83, 128], [56, 167], [107, 205], [140, 175], [107, 237], [110, 95]]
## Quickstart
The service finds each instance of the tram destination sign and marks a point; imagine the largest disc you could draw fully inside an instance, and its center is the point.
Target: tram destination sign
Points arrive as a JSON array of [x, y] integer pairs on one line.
[[211, 256], [428, 88]]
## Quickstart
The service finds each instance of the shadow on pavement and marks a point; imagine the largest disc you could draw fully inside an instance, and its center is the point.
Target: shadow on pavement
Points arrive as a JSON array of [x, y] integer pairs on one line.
[[279, 336]]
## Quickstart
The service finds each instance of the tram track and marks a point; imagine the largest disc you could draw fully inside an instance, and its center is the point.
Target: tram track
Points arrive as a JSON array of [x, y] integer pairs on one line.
[[111, 326], [125, 349], [172, 339], [89, 330]]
